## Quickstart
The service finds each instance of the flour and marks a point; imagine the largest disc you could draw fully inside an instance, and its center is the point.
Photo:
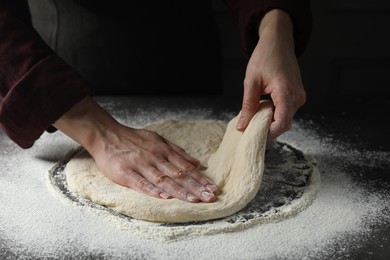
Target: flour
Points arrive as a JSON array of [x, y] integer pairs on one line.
[[345, 215], [289, 185]]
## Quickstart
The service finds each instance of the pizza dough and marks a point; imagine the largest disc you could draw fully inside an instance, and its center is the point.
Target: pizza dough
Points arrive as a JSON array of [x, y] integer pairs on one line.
[[235, 165]]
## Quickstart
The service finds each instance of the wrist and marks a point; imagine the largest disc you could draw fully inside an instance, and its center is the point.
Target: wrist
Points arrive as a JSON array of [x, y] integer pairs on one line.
[[86, 122]]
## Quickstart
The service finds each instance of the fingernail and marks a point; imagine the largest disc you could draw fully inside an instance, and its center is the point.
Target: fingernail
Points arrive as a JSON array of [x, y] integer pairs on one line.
[[211, 187], [240, 123], [164, 195], [192, 198], [207, 195]]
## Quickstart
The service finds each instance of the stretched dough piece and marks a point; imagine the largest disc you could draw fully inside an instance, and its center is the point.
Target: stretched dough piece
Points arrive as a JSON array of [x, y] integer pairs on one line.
[[236, 168]]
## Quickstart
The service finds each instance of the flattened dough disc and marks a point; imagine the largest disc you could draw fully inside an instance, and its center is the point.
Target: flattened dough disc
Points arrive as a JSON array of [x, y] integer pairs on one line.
[[236, 167]]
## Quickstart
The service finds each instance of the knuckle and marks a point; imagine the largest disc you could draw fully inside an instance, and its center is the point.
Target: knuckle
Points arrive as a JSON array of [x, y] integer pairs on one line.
[[143, 185], [162, 164], [137, 157], [160, 150], [120, 176], [183, 173], [120, 169], [179, 174], [122, 172], [188, 167], [161, 178], [248, 82]]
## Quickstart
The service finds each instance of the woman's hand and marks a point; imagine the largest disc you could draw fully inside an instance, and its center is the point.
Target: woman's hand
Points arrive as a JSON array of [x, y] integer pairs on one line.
[[139, 159], [273, 69]]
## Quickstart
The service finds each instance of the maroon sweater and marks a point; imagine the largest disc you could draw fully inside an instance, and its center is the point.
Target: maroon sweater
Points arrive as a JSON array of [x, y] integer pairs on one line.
[[37, 86]]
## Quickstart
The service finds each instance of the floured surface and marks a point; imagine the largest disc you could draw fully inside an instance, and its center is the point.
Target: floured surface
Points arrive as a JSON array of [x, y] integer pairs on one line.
[[236, 168], [291, 182], [347, 220]]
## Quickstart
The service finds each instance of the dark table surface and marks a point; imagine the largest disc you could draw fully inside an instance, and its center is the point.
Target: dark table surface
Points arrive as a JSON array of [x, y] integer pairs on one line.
[[364, 125]]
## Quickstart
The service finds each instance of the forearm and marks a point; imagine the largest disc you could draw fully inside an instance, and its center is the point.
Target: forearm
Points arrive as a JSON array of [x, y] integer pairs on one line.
[[276, 26], [250, 12]]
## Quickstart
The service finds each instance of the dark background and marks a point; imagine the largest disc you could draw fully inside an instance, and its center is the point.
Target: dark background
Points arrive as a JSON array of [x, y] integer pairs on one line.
[[345, 69], [347, 62]]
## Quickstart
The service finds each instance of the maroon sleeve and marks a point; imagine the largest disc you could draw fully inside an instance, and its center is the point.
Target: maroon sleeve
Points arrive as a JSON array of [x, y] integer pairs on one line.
[[36, 86], [250, 12]]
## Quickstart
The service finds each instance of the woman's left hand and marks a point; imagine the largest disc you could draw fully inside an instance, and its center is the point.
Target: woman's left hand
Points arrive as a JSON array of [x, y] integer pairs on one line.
[[273, 69]]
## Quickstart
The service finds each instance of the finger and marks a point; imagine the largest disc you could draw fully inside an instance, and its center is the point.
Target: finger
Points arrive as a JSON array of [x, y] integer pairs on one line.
[[168, 185], [135, 181], [194, 172], [176, 190], [183, 153], [204, 181], [185, 180], [185, 166], [282, 118], [250, 104]]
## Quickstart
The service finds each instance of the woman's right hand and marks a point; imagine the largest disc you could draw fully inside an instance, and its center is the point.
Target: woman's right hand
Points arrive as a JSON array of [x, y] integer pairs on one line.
[[139, 159]]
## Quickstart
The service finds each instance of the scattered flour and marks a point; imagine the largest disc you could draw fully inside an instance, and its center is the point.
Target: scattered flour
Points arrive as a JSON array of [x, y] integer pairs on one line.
[[34, 223]]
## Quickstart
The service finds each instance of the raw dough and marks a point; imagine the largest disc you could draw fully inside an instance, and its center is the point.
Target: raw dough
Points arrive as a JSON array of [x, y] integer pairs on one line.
[[236, 167]]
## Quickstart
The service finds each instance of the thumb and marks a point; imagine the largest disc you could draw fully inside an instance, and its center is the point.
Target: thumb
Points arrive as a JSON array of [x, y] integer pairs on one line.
[[250, 106]]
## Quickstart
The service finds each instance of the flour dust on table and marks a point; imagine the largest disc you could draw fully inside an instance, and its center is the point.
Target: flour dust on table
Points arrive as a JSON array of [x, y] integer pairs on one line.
[[237, 162]]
